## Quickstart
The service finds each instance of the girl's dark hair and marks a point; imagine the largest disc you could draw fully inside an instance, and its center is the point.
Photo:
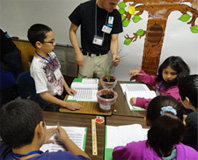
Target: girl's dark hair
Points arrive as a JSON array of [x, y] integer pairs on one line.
[[155, 105], [18, 120], [188, 87], [165, 132], [37, 32], [177, 64]]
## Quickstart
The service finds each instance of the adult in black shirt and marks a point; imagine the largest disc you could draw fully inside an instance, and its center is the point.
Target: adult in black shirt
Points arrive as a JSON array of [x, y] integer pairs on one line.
[[100, 24]]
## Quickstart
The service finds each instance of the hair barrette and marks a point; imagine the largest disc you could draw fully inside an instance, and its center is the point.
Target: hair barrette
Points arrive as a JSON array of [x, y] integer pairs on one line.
[[168, 109]]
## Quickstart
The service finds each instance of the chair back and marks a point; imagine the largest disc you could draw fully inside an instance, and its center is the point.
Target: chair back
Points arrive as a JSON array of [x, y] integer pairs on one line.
[[25, 85]]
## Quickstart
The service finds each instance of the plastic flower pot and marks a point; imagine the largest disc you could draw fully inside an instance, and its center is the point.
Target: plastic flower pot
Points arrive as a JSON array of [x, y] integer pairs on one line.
[[106, 99], [108, 84]]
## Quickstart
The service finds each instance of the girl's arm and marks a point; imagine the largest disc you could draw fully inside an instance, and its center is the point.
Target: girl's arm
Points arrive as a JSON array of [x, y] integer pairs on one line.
[[147, 79], [142, 102]]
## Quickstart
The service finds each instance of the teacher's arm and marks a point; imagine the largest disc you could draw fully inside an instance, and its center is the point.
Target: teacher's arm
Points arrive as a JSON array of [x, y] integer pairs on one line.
[[74, 42], [114, 49]]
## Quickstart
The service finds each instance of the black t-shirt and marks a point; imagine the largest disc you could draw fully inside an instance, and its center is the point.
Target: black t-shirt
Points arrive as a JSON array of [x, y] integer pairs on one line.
[[84, 15]]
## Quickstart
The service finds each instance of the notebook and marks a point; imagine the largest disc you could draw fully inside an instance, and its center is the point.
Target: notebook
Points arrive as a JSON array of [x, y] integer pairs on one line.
[[121, 135], [136, 90], [86, 90]]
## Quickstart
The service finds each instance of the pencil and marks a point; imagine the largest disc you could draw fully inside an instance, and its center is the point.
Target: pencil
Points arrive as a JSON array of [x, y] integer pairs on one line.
[[58, 125]]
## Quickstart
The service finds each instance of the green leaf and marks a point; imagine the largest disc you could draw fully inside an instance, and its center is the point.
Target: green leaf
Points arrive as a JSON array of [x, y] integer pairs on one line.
[[125, 23], [121, 10], [123, 17], [185, 17], [194, 29], [127, 41], [122, 5], [140, 32], [136, 18]]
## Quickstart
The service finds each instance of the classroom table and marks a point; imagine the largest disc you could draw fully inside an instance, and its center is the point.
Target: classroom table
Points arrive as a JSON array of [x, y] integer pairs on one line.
[[120, 108], [80, 120]]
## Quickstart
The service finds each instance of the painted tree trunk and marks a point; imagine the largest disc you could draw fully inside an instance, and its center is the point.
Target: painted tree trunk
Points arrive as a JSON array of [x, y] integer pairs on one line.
[[153, 44]]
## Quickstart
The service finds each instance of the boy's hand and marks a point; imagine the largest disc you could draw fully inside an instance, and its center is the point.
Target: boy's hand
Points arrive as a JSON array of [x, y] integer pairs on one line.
[[71, 92], [133, 101], [61, 134], [49, 134], [71, 105]]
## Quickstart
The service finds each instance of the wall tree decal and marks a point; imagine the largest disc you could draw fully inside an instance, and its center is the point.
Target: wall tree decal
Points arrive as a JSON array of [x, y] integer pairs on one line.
[[158, 11]]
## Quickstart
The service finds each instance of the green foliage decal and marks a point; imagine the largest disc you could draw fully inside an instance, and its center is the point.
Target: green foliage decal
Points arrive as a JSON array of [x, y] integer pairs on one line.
[[127, 41], [185, 17], [121, 10], [122, 5], [125, 23], [140, 32], [136, 18], [194, 29], [123, 17]]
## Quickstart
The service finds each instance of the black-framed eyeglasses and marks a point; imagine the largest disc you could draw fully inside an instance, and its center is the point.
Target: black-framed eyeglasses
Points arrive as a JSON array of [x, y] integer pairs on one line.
[[52, 42]]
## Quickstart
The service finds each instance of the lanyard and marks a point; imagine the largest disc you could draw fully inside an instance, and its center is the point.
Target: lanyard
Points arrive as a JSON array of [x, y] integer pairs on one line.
[[160, 86], [52, 63], [22, 155], [96, 20]]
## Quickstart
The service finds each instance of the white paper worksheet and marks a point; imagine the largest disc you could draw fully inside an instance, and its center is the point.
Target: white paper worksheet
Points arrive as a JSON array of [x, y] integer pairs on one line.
[[86, 89], [76, 134]]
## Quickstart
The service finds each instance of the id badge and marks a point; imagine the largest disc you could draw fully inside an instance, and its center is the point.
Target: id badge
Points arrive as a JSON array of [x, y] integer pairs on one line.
[[98, 40], [106, 29], [57, 74], [110, 20]]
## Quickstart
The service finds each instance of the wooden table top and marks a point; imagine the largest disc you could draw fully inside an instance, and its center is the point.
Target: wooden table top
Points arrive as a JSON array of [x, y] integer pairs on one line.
[[80, 120], [88, 108], [117, 120]]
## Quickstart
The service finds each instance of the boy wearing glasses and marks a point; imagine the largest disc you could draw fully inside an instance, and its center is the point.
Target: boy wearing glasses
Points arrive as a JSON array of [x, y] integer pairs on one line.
[[45, 70]]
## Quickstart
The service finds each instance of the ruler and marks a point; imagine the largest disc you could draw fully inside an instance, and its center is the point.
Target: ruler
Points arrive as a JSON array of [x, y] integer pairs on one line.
[[94, 138]]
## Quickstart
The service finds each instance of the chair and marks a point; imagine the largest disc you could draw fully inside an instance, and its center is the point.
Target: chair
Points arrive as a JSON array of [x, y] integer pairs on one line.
[[26, 86], [8, 89]]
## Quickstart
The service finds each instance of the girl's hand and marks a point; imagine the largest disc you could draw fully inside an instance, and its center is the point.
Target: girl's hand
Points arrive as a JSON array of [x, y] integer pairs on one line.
[[134, 72], [49, 134], [133, 101], [71, 92]]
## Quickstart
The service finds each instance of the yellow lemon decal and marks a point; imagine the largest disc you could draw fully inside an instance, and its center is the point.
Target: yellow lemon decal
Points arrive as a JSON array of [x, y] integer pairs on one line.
[[132, 10]]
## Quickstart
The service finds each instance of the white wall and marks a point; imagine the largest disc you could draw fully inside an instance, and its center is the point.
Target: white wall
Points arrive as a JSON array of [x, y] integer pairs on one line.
[[16, 16]]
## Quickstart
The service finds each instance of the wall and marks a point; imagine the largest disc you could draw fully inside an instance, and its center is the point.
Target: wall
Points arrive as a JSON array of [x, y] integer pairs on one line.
[[18, 15]]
